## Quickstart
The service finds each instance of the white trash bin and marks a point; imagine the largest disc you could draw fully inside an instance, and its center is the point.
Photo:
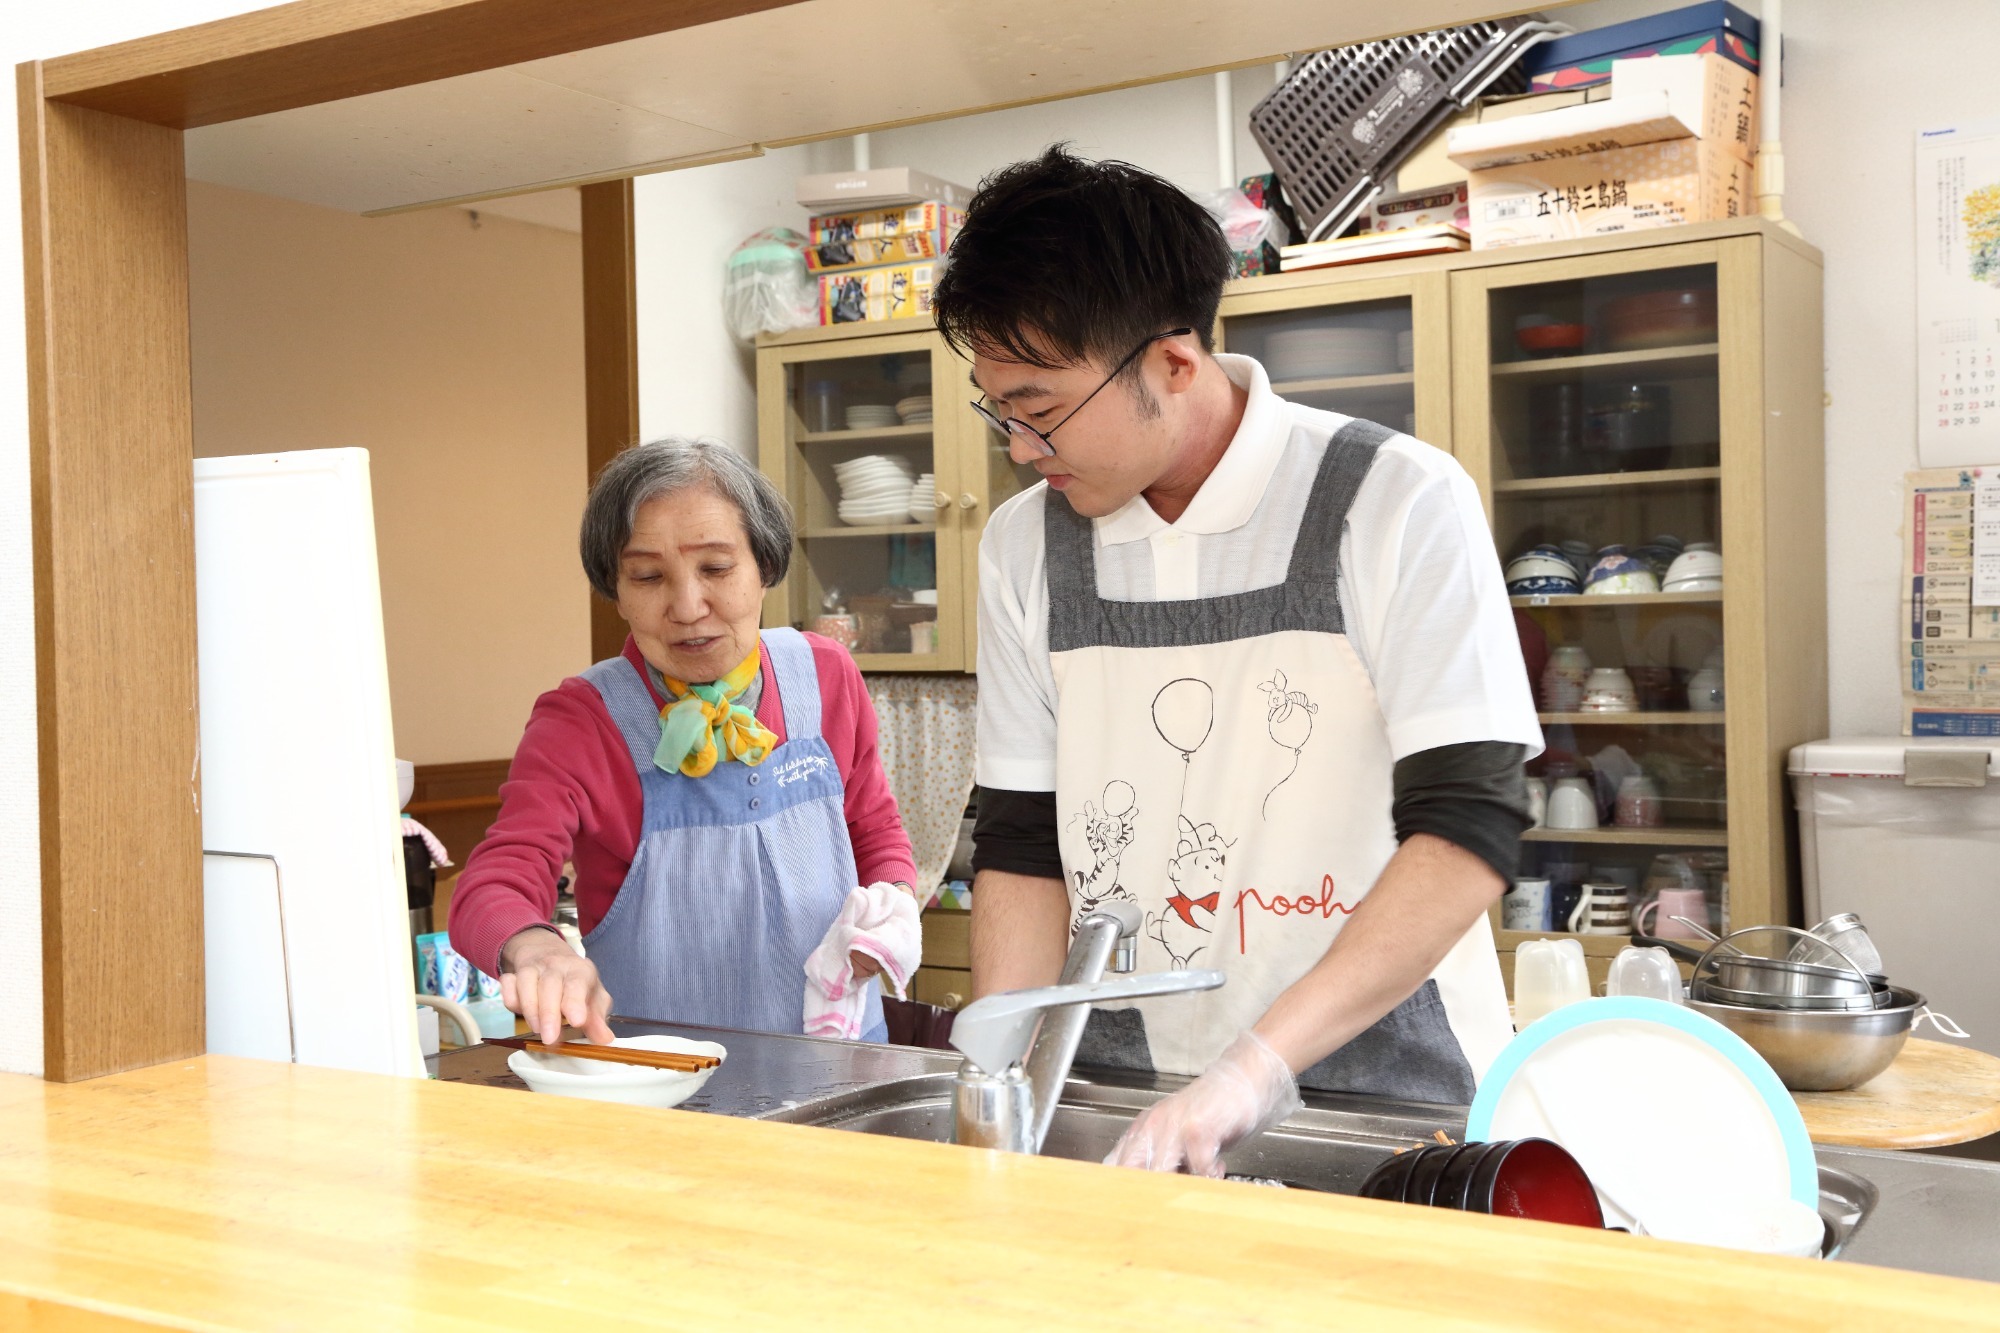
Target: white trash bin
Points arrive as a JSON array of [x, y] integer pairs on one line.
[[1906, 833]]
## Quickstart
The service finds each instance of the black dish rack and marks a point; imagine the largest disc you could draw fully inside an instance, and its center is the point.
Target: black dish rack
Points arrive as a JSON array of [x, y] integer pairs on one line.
[[1344, 119]]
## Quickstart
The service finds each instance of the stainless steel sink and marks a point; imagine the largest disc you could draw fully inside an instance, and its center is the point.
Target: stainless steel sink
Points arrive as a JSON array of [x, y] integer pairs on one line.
[[1331, 1145]]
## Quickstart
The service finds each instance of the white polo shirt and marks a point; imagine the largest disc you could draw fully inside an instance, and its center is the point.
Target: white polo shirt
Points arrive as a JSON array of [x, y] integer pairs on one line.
[[1420, 585]]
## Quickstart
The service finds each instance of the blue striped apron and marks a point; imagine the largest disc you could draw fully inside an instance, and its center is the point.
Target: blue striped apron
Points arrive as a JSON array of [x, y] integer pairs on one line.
[[737, 876]]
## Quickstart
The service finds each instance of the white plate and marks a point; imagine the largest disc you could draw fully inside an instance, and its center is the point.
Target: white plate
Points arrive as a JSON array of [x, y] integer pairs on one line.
[[1669, 1112], [601, 1081]]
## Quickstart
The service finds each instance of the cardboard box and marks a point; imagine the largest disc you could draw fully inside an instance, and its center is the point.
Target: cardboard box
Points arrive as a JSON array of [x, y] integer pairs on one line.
[[893, 291], [1716, 97], [1430, 168], [1586, 58], [1670, 97], [1597, 194], [879, 187], [1446, 205], [880, 223], [899, 248]]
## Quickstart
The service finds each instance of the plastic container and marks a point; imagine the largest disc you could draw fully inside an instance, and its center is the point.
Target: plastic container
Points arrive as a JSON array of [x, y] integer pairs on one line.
[[1902, 832]]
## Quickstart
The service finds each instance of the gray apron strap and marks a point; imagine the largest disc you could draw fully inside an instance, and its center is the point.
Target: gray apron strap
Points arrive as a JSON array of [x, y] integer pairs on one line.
[[1307, 600]]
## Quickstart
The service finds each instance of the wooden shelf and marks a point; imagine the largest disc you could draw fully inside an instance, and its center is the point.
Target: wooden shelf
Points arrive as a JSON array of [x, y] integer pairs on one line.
[[1594, 946], [1655, 359], [1607, 481], [1614, 601], [921, 431], [1688, 718], [1633, 837], [1339, 382], [873, 530]]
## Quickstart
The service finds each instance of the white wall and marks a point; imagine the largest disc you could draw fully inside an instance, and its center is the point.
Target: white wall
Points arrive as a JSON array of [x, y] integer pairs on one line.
[[694, 379], [35, 31], [450, 346]]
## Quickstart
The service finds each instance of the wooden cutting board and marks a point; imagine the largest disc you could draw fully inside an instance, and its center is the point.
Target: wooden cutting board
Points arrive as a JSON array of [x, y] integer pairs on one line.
[[1934, 1095]]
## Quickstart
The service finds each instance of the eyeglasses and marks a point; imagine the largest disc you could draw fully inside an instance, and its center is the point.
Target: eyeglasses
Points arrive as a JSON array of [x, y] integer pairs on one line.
[[1016, 428]]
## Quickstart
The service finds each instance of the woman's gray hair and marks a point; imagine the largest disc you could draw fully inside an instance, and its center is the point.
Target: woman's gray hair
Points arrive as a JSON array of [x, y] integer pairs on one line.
[[646, 472]]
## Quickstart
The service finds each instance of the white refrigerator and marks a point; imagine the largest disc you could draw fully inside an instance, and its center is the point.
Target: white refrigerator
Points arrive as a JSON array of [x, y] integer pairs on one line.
[[307, 927]]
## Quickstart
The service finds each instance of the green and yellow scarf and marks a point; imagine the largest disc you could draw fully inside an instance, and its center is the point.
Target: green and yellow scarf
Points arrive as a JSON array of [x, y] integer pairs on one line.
[[705, 725]]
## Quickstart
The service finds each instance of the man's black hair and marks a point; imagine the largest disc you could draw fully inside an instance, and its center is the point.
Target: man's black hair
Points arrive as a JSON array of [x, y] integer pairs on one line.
[[1062, 261]]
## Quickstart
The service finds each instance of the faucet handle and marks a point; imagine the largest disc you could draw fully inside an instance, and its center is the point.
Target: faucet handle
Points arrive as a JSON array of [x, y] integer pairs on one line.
[[994, 1032]]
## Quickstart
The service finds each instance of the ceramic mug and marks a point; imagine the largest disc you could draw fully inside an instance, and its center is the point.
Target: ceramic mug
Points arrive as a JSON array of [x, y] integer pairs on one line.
[[1604, 909], [1670, 903], [1572, 804], [1526, 905]]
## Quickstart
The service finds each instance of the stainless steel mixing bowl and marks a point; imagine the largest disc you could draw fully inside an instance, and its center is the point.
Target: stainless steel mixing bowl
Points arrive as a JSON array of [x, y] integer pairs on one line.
[[1822, 1050]]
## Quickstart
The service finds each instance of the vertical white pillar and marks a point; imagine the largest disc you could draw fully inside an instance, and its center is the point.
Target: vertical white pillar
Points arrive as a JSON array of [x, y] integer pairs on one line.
[[861, 161], [1225, 131]]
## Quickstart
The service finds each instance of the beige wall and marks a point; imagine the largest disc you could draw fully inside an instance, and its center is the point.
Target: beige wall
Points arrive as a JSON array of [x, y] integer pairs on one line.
[[451, 348]]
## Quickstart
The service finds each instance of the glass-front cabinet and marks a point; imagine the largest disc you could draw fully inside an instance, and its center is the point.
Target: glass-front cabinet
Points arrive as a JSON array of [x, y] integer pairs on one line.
[[867, 430], [1624, 415], [1642, 416], [1367, 348]]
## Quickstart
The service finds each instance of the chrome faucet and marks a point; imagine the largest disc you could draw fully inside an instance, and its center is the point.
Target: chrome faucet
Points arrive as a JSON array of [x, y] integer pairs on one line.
[[1007, 1087]]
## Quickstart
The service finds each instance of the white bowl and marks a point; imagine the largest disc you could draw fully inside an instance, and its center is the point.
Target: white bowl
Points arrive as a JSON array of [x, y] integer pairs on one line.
[[602, 1081], [1693, 585], [1693, 565]]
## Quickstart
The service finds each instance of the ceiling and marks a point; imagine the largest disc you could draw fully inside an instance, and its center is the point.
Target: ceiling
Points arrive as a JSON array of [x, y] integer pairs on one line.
[[731, 88]]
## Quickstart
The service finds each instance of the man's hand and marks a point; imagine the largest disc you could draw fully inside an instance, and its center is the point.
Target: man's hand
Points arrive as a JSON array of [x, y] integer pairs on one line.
[[1246, 1091], [544, 981]]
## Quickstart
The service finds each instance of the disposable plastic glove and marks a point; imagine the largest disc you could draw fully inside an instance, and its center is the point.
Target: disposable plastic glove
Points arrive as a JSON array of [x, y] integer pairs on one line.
[[1244, 1092]]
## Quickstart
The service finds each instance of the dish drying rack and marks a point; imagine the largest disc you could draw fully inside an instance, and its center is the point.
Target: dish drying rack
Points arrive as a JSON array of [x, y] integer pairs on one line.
[[1345, 118]]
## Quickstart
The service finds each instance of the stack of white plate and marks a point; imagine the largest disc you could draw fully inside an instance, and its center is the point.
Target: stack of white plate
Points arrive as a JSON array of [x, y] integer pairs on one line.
[[923, 492], [915, 410], [1322, 353], [870, 416], [874, 489]]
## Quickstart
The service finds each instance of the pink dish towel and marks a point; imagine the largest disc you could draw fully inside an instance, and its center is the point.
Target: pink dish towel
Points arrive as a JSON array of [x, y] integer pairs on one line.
[[880, 921]]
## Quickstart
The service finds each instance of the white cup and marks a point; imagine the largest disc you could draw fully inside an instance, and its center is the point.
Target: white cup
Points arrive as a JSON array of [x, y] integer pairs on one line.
[[1604, 909], [1526, 905], [1572, 804]]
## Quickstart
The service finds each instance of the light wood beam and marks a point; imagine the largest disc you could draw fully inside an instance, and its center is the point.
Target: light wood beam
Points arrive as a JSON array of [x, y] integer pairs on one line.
[[104, 233], [315, 51]]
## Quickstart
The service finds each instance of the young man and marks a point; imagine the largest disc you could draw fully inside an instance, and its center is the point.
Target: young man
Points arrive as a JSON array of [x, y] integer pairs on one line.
[[1245, 663]]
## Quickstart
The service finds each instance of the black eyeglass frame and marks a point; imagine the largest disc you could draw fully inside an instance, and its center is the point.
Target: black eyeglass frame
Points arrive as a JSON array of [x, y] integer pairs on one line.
[[1014, 426]]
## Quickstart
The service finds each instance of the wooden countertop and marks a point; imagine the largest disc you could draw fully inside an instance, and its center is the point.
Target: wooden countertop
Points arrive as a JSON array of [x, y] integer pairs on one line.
[[223, 1193], [1934, 1095]]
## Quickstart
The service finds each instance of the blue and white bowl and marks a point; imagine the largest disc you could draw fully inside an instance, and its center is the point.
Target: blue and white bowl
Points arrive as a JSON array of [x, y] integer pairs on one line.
[[1543, 570], [1617, 571]]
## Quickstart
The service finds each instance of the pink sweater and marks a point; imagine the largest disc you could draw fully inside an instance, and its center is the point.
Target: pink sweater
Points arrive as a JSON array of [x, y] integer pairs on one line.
[[572, 795]]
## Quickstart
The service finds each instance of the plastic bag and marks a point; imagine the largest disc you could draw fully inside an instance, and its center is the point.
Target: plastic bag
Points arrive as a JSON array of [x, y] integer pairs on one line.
[[765, 288], [1245, 225]]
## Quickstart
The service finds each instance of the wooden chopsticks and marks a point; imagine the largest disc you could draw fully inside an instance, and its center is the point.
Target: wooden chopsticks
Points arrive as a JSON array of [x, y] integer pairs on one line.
[[677, 1061]]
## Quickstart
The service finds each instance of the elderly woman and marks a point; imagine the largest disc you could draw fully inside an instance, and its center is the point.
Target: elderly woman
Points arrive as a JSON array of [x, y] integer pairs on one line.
[[718, 789]]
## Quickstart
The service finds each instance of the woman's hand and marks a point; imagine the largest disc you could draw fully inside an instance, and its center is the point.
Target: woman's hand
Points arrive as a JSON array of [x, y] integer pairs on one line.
[[544, 981]]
